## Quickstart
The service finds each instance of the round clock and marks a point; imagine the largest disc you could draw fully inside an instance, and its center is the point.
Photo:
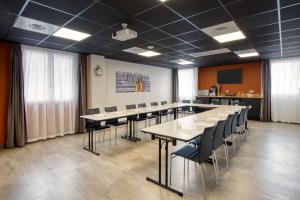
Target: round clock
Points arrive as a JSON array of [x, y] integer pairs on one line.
[[98, 71]]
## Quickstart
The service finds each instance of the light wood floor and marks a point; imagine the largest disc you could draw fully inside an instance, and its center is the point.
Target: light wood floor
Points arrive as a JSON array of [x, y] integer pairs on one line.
[[266, 167]]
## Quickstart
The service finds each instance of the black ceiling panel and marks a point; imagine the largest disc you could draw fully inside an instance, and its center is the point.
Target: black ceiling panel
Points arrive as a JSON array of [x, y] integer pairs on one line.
[[135, 42], [169, 41], [11, 6], [290, 12], [58, 40], [291, 45], [22, 40], [258, 21], [87, 45], [183, 46], [207, 44], [44, 14], [154, 35], [290, 24], [210, 18], [268, 43], [178, 27], [246, 8], [84, 26], [137, 26], [192, 36], [16, 32], [71, 6], [291, 33], [51, 45], [191, 7], [155, 46], [119, 46], [103, 51], [264, 30], [6, 21], [284, 3], [103, 15], [238, 45], [265, 38], [290, 40], [131, 8], [158, 16]]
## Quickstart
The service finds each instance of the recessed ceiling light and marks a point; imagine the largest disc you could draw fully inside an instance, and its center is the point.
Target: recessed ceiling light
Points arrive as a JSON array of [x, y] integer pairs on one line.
[[230, 37], [247, 53], [183, 62], [71, 34], [149, 53], [163, 0], [209, 53]]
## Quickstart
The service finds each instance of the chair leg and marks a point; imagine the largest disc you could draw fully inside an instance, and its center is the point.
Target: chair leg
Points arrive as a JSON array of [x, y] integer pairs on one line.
[[103, 137], [116, 135], [109, 137], [217, 166], [171, 170], [226, 156], [215, 169], [84, 138], [202, 180]]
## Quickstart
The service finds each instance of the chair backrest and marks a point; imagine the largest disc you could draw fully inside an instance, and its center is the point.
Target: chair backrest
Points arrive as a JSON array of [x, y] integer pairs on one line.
[[234, 122], [215, 101], [142, 105], [218, 135], [205, 146], [111, 109], [186, 101], [246, 114], [154, 104], [142, 115], [228, 126], [197, 101], [130, 107], [225, 101], [241, 117], [163, 103], [91, 111]]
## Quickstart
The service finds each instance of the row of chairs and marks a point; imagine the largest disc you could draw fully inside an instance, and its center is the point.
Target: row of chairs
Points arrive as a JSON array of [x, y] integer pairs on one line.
[[204, 148], [116, 123]]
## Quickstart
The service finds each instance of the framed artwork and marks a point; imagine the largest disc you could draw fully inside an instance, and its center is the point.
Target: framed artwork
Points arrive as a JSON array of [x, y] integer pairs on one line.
[[132, 82]]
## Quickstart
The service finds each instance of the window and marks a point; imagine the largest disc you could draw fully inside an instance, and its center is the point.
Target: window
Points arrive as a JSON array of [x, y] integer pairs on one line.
[[51, 92], [285, 90], [187, 83], [49, 75]]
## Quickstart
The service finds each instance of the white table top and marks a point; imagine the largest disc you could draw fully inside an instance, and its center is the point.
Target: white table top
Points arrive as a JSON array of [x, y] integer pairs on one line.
[[126, 113], [190, 127]]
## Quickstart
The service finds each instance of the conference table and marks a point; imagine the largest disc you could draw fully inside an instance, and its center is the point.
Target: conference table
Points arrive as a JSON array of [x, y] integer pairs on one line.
[[185, 129]]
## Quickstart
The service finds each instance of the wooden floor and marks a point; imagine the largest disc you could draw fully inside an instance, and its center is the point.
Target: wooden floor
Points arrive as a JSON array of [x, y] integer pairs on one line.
[[267, 166]]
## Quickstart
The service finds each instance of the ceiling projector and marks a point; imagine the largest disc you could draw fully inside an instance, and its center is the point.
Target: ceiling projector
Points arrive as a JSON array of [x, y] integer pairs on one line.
[[124, 34]]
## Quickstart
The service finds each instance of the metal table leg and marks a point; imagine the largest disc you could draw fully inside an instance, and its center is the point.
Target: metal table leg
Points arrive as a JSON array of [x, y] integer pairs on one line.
[[90, 147], [131, 136]]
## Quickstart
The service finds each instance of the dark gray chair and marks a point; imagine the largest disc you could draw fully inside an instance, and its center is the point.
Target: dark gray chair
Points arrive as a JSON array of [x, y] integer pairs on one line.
[[115, 122], [96, 126], [198, 154], [136, 118], [185, 110], [145, 115], [167, 113], [197, 110]]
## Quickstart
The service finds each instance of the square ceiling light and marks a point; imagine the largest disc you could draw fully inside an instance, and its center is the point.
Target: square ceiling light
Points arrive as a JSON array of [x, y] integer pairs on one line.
[[142, 52], [225, 32], [71, 34], [209, 53], [35, 25], [183, 62], [247, 53]]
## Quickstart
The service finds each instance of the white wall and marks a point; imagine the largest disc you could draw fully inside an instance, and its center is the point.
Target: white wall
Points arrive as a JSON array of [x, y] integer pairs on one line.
[[102, 90]]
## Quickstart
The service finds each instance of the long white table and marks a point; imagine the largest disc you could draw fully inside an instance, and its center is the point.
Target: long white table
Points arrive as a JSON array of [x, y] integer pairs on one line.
[[184, 129]]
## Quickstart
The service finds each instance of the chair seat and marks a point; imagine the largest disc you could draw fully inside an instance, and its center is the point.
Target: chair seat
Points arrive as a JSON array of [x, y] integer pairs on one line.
[[100, 127], [151, 116], [196, 141], [187, 152], [119, 123]]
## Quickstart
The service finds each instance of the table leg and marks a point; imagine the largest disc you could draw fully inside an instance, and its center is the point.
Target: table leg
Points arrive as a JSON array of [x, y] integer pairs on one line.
[[131, 136], [166, 184], [91, 143]]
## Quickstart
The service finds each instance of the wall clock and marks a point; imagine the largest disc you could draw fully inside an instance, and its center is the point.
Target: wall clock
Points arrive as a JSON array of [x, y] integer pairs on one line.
[[98, 71]]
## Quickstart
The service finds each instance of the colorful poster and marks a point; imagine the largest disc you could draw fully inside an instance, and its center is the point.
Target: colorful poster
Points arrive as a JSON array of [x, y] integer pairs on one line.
[[132, 82]]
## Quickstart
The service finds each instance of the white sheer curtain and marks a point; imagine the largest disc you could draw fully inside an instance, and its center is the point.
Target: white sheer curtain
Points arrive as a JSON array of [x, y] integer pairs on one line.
[[51, 92], [285, 93], [187, 83]]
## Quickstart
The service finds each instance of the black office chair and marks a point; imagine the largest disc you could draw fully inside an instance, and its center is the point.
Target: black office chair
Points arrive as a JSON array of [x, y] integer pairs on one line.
[[234, 129], [115, 122], [136, 118], [96, 126], [246, 119], [145, 115], [197, 110], [185, 110], [215, 102], [156, 114], [168, 113], [224, 102], [199, 154], [228, 133], [240, 128]]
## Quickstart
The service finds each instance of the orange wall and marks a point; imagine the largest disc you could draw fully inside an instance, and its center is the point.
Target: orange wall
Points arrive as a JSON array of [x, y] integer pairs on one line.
[[4, 88], [251, 77]]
